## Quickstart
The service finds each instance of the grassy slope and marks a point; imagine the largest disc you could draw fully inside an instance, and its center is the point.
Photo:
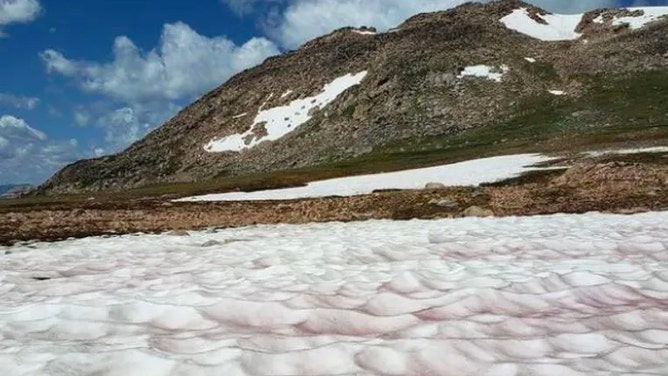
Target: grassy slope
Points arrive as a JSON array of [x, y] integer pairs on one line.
[[620, 110]]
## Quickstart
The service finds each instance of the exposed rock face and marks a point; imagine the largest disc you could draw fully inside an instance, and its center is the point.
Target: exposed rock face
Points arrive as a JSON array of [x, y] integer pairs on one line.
[[412, 90]]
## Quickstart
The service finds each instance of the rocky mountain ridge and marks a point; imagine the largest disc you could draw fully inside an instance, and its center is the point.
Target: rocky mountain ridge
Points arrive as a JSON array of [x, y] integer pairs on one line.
[[435, 75]]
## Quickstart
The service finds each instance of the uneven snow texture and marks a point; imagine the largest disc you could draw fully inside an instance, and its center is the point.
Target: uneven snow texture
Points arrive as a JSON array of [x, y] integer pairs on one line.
[[650, 14], [557, 27], [474, 172], [279, 121], [555, 295]]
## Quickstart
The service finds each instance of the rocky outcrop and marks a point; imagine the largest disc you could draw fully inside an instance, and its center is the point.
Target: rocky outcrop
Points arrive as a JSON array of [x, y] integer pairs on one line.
[[413, 90]]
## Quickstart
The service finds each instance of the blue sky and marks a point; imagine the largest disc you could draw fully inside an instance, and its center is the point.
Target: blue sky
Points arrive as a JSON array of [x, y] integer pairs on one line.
[[83, 78]]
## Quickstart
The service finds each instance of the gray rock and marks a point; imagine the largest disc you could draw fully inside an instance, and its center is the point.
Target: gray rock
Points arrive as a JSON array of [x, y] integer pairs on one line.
[[476, 211], [445, 203]]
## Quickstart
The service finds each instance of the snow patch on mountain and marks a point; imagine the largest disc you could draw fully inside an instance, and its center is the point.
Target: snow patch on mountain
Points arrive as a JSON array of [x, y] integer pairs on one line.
[[649, 14], [485, 71], [556, 27], [274, 123]]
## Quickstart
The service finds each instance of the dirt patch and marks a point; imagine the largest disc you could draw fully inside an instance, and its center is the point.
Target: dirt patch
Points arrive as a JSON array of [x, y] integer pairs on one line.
[[620, 184]]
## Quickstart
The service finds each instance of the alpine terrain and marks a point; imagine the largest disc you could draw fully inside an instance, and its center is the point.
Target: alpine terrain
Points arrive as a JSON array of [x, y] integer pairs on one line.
[[479, 79]]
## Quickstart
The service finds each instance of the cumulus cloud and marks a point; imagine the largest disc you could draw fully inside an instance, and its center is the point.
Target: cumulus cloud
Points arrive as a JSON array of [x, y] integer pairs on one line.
[[10, 125], [184, 64], [125, 124], [22, 145], [19, 102], [18, 11]]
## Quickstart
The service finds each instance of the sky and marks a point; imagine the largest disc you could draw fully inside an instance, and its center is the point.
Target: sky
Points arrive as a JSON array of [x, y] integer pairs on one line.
[[86, 78]]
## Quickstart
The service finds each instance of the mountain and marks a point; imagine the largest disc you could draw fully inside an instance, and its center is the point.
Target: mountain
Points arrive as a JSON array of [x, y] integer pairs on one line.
[[14, 190], [489, 77]]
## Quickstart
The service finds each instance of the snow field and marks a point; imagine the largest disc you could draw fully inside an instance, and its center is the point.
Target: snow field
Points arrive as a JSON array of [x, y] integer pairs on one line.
[[554, 295], [473, 172], [279, 121]]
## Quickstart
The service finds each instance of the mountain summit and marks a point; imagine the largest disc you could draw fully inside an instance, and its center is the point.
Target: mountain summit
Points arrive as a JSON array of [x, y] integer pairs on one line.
[[499, 75]]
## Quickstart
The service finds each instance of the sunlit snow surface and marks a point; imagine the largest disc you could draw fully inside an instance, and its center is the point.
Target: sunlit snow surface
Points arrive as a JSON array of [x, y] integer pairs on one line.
[[555, 295], [473, 172], [556, 26]]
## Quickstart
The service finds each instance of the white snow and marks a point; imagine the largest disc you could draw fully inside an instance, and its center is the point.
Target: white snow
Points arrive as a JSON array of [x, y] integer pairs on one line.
[[287, 92], [558, 26], [554, 295], [282, 120], [474, 172], [364, 32], [562, 26], [239, 116], [485, 71], [530, 59], [557, 92], [650, 14], [654, 149]]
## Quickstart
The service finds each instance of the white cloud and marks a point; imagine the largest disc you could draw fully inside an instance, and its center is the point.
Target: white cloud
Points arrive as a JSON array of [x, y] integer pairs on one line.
[[27, 155], [18, 11], [19, 102], [18, 127], [184, 64], [81, 118], [124, 125]]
